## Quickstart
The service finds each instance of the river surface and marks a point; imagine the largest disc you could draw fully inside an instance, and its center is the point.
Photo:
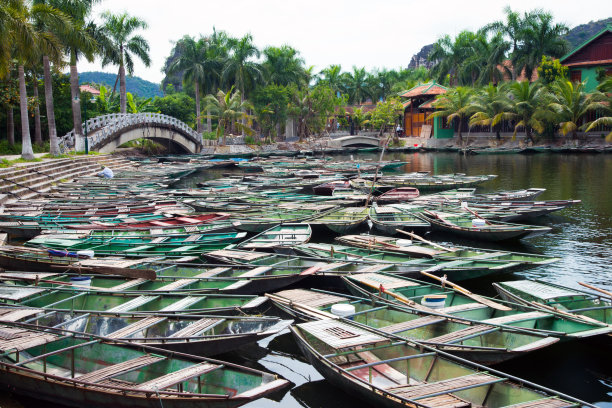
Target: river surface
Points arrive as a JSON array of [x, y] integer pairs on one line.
[[581, 237]]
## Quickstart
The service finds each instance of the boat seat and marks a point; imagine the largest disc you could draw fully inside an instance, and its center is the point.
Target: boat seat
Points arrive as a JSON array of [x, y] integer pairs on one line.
[[181, 304], [13, 338], [119, 369], [156, 231], [158, 240], [456, 336], [212, 272], [412, 324], [129, 284], [192, 238], [132, 304], [135, 327], [462, 308], [161, 224], [171, 379], [197, 327], [488, 255], [184, 248], [189, 220], [13, 315], [384, 369], [139, 248], [177, 284], [255, 272], [543, 403], [518, 317], [310, 298], [450, 385]]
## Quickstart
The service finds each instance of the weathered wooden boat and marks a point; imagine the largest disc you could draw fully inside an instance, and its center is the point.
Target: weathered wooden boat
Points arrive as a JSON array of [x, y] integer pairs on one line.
[[212, 227], [514, 195], [369, 186], [462, 303], [200, 335], [435, 183], [480, 229], [74, 299], [388, 372], [279, 237], [85, 370], [264, 219], [168, 221], [341, 221], [586, 305], [398, 195], [475, 341], [428, 249], [168, 246], [388, 220], [327, 189], [404, 264], [126, 209]]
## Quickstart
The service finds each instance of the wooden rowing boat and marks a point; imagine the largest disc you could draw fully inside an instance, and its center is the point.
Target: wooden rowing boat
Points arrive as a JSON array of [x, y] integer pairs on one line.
[[170, 222], [398, 195], [279, 237], [341, 221], [388, 219]]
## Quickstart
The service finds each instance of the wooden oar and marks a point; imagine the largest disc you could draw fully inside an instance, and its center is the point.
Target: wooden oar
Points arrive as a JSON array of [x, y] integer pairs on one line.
[[402, 299], [469, 294], [564, 313], [474, 213], [595, 288], [419, 238]]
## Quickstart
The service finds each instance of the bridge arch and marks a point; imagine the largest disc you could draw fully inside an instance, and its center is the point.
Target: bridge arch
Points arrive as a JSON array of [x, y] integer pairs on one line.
[[357, 140], [106, 133]]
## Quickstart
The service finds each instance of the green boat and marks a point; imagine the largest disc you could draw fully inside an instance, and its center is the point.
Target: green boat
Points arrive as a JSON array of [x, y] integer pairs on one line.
[[200, 335], [435, 183], [584, 305], [417, 294], [407, 265], [388, 219], [168, 246], [475, 341], [279, 237], [386, 372], [74, 299], [413, 247], [263, 219], [85, 371], [341, 221]]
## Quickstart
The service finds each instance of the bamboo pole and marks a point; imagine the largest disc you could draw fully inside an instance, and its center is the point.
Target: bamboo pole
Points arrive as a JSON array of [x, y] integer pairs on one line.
[[419, 238], [605, 292]]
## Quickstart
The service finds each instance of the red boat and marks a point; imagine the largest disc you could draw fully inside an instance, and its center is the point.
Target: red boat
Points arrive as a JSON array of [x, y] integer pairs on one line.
[[398, 195], [168, 222], [327, 189]]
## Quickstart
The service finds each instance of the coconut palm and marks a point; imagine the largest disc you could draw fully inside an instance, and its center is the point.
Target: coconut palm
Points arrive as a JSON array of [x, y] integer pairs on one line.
[[357, 85], [571, 104], [194, 63], [283, 66], [490, 106], [528, 100], [455, 104], [229, 109], [512, 28], [120, 29], [332, 77]]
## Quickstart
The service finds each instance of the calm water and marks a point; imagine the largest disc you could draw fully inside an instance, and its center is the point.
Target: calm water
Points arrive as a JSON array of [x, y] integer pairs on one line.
[[581, 237]]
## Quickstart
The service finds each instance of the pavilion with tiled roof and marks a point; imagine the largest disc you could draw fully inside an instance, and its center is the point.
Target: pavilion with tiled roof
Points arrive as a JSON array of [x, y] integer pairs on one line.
[[585, 60], [418, 105]]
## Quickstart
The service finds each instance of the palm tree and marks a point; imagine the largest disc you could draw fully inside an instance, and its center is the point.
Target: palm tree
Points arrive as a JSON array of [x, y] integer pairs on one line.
[[239, 67], [332, 77], [455, 104], [120, 29], [357, 85], [571, 104], [229, 109], [528, 100], [490, 106], [193, 62], [513, 29], [283, 66]]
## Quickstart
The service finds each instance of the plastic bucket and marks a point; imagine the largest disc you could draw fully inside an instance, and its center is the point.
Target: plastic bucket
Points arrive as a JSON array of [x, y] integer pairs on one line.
[[343, 310], [478, 222], [434, 301], [81, 281], [85, 254], [403, 242]]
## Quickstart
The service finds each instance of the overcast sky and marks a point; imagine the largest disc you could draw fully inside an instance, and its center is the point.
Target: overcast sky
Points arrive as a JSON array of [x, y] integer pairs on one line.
[[374, 34]]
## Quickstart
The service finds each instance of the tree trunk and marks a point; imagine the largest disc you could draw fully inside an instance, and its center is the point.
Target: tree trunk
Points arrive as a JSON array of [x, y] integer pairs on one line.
[[10, 126], [208, 121], [76, 101], [122, 91], [198, 111], [37, 126], [26, 143], [243, 111], [459, 132], [53, 141]]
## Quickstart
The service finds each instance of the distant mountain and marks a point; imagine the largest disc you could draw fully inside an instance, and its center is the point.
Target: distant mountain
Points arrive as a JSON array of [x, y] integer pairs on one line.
[[135, 85], [420, 58], [583, 32]]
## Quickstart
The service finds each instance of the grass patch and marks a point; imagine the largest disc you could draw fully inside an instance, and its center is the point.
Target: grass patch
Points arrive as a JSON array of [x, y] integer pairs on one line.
[[209, 135]]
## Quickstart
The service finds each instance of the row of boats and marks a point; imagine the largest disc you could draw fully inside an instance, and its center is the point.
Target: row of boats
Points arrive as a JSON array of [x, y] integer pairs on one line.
[[126, 290]]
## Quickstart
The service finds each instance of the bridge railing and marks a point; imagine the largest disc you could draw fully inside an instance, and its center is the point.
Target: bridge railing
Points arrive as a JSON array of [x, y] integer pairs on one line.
[[106, 125]]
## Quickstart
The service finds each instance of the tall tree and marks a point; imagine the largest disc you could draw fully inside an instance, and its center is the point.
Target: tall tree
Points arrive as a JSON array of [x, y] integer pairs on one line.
[[228, 108], [490, 106], [284, 66], [126, 45], [455, 104], [528, 102], [332, 77], [512, 28], [357, 85], [194, 63]]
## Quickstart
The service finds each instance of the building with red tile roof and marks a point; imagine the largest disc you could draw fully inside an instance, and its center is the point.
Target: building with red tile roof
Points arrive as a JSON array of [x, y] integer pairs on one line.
[[588, 58]]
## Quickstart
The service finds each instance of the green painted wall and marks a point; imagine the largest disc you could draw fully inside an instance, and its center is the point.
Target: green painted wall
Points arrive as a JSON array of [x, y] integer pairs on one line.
[[589, 74], [440, 133]]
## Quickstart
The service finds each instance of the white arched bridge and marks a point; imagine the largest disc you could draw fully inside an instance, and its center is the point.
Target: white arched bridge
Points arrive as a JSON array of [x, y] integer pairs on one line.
[[106, 133]]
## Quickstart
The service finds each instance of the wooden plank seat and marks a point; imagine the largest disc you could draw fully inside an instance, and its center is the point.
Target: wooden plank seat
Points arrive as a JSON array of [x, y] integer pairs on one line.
[[310, 298], [192, 238], [181, 304], [543, 403], [384, 369], [212, 272], [462, 308], [255, 272], [423, 390], [488, 255], [518, 317], [119, 369], [245, 256], [126, 285], [412, 324], [373, 268], [172, 379], [189, 220], [139, 248], [135, 327], [156, 231], [13, 315], [191, 228], [332, 266], [460, 334], [13, 338], [197, 327], [158, 240], [184, 248], [388, 282], [177, 284], [132, 304]]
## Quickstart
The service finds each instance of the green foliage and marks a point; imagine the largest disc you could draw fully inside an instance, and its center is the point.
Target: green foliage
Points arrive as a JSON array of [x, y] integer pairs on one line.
[[386, 114], [551, 70], [271, 108], [133, 84], [454, 105], [7, 149], [581, 33], [178, 105], [209, 135]]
